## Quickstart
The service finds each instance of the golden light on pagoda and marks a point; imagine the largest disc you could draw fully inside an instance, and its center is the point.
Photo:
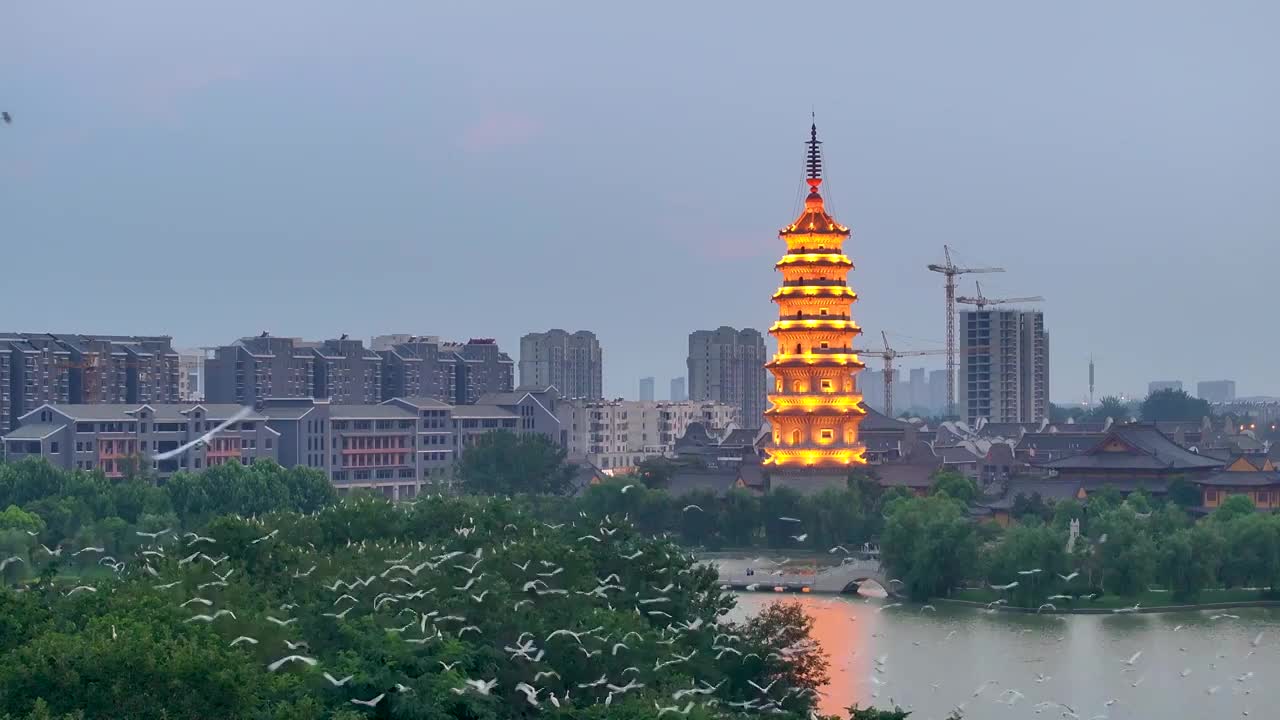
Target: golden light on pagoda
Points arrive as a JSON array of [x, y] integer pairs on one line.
[[815, 407]]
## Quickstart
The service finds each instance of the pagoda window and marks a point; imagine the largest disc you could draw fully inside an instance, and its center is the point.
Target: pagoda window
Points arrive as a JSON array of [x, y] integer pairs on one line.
[[797, 386], [822, 311], [827, 434], [848, 384], [778, 385], [824, 346], [795, 437], [798, 350], [827, 385], [777, 436]]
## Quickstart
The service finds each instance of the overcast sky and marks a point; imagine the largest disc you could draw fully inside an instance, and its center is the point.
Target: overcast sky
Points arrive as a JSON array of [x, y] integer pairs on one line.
[[212, 170]]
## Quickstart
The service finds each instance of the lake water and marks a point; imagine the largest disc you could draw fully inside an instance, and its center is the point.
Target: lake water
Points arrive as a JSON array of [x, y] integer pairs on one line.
[[933, 661]]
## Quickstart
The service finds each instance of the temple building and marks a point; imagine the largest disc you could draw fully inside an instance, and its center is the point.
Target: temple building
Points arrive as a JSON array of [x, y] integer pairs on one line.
[[814, 404]]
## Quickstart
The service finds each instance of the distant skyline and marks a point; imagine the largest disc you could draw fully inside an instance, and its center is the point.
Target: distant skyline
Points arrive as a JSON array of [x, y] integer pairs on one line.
[[487, 170]]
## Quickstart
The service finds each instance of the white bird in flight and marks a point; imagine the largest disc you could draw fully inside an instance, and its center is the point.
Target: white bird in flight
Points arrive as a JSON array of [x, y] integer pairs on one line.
[[291, 658], [239, 415], [337, 682]]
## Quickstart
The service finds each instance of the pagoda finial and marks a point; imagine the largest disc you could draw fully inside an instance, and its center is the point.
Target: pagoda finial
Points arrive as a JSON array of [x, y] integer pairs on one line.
[[814, 162]]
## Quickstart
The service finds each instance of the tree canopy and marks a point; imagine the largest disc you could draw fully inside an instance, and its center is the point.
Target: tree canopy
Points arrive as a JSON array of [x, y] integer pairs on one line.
[[446, 607], [1170, 404], [503, 463]]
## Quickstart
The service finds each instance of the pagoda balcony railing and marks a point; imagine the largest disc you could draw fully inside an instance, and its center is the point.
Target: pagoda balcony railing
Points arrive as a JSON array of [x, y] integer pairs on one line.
[[820, 282], [811, 316]]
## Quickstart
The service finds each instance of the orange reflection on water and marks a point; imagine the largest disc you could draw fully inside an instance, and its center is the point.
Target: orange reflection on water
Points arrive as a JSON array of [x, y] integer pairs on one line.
[[843, 639]]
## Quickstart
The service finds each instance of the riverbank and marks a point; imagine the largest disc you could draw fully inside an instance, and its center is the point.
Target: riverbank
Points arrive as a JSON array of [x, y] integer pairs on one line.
[[1148, 602]]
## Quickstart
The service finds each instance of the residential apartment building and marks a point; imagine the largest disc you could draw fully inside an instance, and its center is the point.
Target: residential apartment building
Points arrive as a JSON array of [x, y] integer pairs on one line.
[[646, 389], [572, 362], [1004, 366], [454, 373], [618, 434], [190, 375], [677, 392], [344, 371], [121, 439], [39, 368], [1216, 391], [402, 445], [727, 365], [255, 368]]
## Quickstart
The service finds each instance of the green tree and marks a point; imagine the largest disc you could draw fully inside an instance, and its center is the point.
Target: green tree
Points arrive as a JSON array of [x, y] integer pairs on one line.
[[1189, 560], [774, 507], [1061, 414], [954, 485], [1038, 551], [740, 521], [1030, 507], [1170, 404], [503, 463], [1127, 560], [15, 518], [1183, 493], [1111, 407], [1233, 507], [656, 472], [930, 544]]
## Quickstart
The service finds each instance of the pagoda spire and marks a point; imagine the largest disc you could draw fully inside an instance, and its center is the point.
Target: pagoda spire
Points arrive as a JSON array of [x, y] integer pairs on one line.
[[813, 164]]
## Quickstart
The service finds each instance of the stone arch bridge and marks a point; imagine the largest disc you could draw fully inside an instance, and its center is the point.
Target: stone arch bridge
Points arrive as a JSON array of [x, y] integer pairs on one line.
[[844, 578]]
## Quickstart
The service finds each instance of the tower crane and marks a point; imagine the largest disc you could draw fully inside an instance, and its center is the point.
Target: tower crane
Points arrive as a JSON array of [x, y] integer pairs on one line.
[[982, 301], [950, 271], [888, 354]]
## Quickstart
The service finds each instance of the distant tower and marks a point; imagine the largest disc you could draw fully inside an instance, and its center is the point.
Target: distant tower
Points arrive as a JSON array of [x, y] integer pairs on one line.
[[815, 407], [1090, 381], [646, 389]]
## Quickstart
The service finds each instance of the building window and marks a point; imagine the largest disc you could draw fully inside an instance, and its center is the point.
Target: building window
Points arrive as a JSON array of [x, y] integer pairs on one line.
[[827, 385], [823, 345], [270, 443], [822, 311], [827, 434], [53, 447]]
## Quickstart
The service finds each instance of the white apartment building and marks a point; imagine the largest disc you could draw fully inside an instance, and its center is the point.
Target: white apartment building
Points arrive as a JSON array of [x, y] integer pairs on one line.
[[616, 435]]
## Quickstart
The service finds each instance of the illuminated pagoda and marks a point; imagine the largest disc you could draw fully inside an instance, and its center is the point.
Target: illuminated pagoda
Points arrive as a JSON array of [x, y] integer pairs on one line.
[[815, 407]]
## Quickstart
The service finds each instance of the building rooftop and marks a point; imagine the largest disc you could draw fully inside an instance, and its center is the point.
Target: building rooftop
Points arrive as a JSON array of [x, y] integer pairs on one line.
[[1240, 479], [481, 412], [1134, 447], [34, 431], [369, 412], [176, 412], [422, 403]]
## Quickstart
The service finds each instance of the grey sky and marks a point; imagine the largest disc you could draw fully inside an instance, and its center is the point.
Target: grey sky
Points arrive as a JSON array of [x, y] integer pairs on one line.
[[487, 169]]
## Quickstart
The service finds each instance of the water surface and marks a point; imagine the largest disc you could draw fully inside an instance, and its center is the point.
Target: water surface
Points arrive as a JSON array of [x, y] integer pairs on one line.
[[1192, 666]]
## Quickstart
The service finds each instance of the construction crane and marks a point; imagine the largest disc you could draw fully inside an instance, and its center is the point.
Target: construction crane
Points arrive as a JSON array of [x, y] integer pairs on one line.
[[982, 301], [950, 270], [888, 354]]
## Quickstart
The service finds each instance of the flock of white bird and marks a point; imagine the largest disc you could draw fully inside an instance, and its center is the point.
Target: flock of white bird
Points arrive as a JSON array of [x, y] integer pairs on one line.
[[426, 593]]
